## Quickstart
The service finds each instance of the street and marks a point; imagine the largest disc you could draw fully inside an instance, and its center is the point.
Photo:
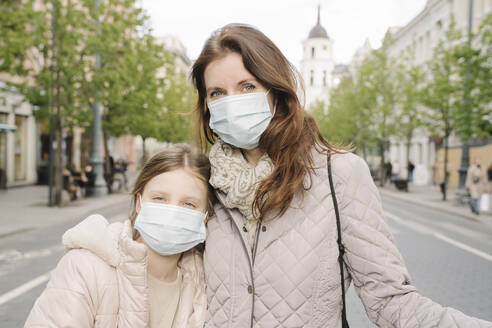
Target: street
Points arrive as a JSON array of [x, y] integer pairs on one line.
[[449, 259]]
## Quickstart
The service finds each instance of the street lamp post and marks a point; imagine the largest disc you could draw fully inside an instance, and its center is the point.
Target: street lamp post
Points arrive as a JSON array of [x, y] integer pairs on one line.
[[461, 194], [96, 160]]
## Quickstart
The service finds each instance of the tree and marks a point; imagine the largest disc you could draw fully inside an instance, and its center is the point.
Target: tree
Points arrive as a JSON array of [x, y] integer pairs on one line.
[[375, 84], [442, 95], [409, 80], [56, 69]]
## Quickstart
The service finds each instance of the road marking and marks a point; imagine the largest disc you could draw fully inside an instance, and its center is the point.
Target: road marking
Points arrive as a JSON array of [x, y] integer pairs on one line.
[[464, 246], [428, 231], [410, 224], [16, 292], [7, 297]]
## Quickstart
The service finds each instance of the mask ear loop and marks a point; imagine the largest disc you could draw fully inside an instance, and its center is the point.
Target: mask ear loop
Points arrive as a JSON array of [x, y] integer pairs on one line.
[[141, 201], [274, 105]]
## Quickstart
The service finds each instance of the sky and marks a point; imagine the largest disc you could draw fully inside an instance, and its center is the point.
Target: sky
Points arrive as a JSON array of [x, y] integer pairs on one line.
[[286, 22]]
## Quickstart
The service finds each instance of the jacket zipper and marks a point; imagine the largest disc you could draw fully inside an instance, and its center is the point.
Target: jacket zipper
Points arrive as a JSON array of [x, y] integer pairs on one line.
[[255, 247]]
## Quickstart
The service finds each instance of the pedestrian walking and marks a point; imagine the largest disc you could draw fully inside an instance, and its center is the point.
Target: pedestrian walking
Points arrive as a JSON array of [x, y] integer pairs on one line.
[[476, 184], [441, 177], [293, 209], [410, 168], [389, 170], [145, 272]]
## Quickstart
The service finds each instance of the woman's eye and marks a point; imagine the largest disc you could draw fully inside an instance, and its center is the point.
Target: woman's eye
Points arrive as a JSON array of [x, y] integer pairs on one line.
[[249, 87], [215, 94]]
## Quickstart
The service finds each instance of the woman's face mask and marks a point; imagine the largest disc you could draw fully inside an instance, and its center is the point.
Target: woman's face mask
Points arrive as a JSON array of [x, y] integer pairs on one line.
[[240, 120]]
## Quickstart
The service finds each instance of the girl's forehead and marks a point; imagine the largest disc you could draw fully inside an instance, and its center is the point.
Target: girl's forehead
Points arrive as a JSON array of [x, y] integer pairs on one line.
[[180, 182]]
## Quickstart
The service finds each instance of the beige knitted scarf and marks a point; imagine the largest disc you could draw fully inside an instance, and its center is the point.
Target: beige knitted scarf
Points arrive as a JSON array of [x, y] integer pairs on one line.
[[239, 180]]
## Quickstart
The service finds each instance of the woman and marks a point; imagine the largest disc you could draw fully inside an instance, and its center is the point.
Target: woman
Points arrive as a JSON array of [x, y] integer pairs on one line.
[[476, 184], [145, 272], [271, 250]]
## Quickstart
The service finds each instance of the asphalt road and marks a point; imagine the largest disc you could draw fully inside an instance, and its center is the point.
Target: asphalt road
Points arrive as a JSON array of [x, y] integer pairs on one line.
[[449, 259]]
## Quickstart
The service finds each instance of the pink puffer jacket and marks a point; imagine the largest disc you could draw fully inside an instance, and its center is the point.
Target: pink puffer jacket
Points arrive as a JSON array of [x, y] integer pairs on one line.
[[101, 282], [292, 278]]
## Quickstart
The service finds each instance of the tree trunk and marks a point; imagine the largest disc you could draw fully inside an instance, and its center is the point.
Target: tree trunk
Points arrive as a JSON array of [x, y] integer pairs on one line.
[[445, 167], [144, 152], [108, 174], [59, 142], [409, 143], [382, 169]]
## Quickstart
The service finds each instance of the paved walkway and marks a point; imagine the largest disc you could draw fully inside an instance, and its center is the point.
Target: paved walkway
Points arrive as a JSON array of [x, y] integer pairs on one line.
[[26, 208], [430, 196]]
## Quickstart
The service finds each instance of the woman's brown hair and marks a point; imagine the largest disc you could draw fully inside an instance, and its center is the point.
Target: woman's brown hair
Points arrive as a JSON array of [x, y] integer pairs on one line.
[[179, 156], [292, 133]]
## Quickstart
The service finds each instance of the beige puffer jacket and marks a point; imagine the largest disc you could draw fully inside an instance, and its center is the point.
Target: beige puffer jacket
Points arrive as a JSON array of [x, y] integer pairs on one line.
[[292, 279], [101, 282]]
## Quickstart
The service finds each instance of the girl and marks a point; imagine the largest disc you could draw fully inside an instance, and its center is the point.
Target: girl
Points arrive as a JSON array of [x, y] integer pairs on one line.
[[272, 256], [145, 272]]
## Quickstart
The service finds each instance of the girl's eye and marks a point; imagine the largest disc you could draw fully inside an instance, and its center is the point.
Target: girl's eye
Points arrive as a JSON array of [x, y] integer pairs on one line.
[[249, 87], [215, 94], [158, 199], [190, 205]]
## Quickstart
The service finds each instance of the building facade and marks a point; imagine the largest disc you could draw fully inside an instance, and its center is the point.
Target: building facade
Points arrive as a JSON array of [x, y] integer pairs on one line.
[[419, 38], [18, 139]]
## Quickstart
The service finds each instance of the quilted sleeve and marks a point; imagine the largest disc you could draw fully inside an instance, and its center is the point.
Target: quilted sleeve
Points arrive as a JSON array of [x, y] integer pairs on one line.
[[378, 271], [67, 300]]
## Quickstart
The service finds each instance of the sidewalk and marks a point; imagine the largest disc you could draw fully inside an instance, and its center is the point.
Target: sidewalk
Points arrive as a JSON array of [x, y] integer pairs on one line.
[[26, 208], [430, 196]]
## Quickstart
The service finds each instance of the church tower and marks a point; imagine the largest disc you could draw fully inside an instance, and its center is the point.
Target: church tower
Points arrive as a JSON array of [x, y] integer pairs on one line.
[[317, 64]]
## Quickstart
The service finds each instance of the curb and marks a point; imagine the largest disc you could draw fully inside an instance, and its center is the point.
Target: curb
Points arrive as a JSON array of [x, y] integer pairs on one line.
[[469, 216]]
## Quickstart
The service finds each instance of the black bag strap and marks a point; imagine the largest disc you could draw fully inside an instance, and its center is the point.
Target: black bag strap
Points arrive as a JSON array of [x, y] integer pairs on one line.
[[341, 248]]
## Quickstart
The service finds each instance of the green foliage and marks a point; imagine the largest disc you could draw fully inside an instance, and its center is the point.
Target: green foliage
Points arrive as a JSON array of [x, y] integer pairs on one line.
[[56, 62], [409, 88], [18, 35], [457, 93]]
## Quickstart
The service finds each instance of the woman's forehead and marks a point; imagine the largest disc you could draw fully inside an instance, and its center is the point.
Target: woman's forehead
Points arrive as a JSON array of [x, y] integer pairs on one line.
[[225, 71]]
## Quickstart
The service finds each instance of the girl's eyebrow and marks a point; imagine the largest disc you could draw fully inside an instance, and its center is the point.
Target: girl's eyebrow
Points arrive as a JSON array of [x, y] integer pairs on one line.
[[158, 192], [192, 198]]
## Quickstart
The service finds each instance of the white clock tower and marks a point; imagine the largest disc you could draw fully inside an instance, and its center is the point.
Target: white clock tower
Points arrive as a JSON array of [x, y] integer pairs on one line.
[[317, 65]]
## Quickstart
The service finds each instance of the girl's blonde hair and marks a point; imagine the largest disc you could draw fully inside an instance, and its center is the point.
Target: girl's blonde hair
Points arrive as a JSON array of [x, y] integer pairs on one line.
[[179, 156]]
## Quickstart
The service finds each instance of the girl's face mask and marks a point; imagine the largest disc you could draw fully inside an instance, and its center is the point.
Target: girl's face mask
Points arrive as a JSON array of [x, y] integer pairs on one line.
[[170, 229]]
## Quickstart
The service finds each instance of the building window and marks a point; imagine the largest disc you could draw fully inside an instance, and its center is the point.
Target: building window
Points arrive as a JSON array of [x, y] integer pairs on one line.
[[20, 148], [313, 52], [311, 78], [324, 78]]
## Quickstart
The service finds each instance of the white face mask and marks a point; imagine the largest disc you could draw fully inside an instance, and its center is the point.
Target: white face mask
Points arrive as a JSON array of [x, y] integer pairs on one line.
[[169, 229], [240, 120]]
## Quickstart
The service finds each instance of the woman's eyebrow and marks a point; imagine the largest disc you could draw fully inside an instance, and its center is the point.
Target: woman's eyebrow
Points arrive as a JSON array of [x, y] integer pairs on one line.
[[214, 89], [247, 80]]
